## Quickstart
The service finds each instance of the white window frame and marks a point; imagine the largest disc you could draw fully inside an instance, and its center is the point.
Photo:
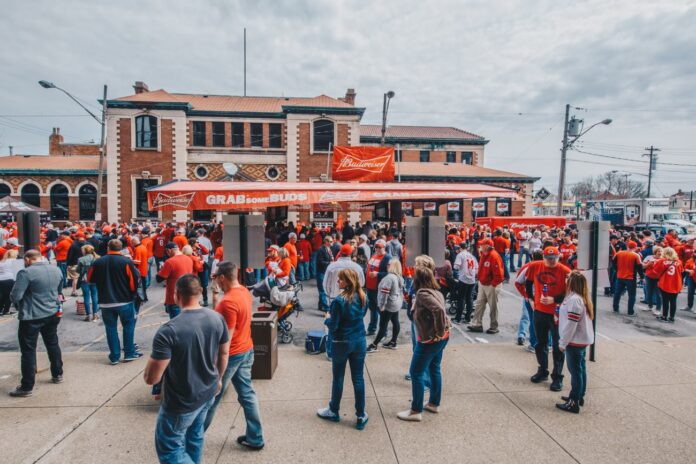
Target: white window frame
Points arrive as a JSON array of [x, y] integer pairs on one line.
[[159, 132], [311, 135]]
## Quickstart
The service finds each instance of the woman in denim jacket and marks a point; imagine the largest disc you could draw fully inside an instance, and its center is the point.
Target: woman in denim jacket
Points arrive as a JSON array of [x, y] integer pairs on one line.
[[347, 331]]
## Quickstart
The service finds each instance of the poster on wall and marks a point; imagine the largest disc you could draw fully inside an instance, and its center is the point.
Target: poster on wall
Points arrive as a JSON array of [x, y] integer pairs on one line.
[[453, 206], [454, 211], [503, 206], [407, 208], [479, 208], [429, 208]]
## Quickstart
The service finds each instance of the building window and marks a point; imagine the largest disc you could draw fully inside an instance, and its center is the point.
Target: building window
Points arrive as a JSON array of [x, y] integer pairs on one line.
[[467, 157], [275, 135], [30, 195], [201, 172], [237, 134], [424, 156], [398, 157], [60, 206], [199, 133], [5, 190], [323, 135], [451, 156], [141, 207], [256, 134], [202, 215], [218, 134], [88, 202], [146, 132], [272, 173]]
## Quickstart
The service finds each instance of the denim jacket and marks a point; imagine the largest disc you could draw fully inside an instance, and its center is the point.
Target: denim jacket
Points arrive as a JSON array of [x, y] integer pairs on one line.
[[346, 321]]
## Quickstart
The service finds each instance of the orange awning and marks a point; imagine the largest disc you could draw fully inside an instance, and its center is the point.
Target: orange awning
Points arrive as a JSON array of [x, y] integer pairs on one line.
[[249, 196]]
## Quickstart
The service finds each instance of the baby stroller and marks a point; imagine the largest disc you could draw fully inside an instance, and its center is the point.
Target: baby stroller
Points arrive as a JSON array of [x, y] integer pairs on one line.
[[285, 301]]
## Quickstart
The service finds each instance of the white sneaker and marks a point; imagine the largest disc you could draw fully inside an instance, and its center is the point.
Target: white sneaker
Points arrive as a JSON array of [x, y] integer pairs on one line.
[[410, 416]]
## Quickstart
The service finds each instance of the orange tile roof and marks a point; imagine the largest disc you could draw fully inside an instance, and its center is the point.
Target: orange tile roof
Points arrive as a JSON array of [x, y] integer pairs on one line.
[[453, 170], [49, 163], [201, 102], [417, 132]]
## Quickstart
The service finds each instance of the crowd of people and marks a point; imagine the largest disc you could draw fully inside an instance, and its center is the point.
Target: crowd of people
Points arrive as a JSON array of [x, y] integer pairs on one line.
[[358, 268]]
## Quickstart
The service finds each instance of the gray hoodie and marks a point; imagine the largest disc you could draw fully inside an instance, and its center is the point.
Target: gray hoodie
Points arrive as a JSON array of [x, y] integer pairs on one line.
[[35, 292], [390, 293]]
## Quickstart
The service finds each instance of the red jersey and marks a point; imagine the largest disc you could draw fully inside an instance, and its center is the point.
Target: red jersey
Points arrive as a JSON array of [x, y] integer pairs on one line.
[[626, 264], [501, 244], [670, 273], [373, 266], [566, 250], [158, 245], [553, 277], [491, 270]]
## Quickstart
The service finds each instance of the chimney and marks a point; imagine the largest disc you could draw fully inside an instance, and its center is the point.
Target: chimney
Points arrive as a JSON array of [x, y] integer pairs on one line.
[[54, 142], [140, 87], [350, 97]]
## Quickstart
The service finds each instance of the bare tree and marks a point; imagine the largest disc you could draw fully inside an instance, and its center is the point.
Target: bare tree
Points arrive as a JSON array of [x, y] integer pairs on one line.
[[613, 183]]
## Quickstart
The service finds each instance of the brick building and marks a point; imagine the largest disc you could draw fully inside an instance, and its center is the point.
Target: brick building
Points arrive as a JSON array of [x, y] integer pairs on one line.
[[64, 182]]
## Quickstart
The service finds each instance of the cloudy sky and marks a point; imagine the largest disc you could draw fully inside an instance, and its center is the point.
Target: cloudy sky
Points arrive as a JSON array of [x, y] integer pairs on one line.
[[502, 69]]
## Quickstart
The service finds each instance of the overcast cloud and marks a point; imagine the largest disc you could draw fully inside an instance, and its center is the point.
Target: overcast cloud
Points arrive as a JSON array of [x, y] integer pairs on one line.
[[502, 69]]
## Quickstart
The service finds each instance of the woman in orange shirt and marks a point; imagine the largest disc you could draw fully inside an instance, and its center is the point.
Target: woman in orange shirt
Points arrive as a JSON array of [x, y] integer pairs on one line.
[[670, 270]]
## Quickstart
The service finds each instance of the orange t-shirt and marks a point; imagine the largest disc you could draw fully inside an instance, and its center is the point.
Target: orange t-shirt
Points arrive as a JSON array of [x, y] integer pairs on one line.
[[61, 249], [172, 269], [140, 259], [626, 262], [292, 253], [218, 253], [553, 277], [670, 273], [149, 245], [501, 244], [180, 241], [236, 307]]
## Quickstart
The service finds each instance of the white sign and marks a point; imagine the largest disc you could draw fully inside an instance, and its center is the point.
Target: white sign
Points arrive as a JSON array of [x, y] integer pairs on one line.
[[478, 206], [453, 206], [429, 206], [407, 205]]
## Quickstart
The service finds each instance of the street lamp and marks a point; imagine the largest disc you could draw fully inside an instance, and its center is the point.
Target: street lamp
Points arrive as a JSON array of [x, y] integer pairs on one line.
[[385, 108], [102, 148], [564, 149]]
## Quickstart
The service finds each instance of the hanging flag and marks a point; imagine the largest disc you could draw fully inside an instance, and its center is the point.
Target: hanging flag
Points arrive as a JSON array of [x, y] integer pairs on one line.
[[365, 164]]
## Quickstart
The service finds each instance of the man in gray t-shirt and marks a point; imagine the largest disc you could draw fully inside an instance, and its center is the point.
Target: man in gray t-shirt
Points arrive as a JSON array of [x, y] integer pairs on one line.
[[189, 355]]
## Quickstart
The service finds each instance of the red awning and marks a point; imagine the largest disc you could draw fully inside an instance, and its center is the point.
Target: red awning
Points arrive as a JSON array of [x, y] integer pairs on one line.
[[247, 196]]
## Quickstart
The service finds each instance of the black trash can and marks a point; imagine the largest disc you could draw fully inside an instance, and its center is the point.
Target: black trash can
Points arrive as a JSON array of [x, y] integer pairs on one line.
[[264, 333]]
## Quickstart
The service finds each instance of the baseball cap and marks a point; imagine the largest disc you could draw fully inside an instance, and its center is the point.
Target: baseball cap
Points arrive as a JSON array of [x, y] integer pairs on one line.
[[302, 236], [380, 243], [273, 247], [346, 250], [13, 241], [363, 237], [487, 241], [171, 246], [631, 244], [551, 252]]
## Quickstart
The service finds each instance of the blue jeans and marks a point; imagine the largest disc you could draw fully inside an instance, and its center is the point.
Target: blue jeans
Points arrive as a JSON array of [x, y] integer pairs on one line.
[[303, 270], [427, 357], [179, 437], [374, 310], [239, 373], [173, 310], [323, 298], [414, 342], [89, 293], [344, 352], [619, 287], [652, 294], [575, 360], [313, 264], [527, 323], [524, 252], [691, 288], [111, 316], [63, 266], [506, 265]]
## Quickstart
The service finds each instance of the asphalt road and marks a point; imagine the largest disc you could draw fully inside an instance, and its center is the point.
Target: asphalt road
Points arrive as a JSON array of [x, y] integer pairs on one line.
[[77, 335]]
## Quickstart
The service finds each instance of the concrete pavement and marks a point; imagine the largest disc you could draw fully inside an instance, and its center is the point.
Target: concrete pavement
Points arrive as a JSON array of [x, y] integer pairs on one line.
[[638, 409]]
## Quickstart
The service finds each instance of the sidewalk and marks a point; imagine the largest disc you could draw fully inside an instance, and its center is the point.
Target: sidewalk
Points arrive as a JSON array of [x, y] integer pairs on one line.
[[639, 408]]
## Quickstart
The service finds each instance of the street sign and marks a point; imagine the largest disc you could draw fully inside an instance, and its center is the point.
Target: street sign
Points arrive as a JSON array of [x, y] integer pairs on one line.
[[543, 194]]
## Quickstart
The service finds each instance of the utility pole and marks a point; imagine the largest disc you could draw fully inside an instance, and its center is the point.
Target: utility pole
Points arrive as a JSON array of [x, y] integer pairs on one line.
[[651, 165], [245, 61], [564, 149], [11, 150], [102, 154]]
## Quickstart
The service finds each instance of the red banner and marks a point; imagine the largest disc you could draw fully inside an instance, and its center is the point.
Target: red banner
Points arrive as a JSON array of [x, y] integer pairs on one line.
[[365, 164]]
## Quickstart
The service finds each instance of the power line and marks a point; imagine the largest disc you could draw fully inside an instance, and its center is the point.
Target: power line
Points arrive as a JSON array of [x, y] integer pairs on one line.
[[633, 160]]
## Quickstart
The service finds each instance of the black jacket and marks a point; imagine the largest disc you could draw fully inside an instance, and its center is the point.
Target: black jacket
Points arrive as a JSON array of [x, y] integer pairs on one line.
[[75, 252], [324, 258], [116, 278]]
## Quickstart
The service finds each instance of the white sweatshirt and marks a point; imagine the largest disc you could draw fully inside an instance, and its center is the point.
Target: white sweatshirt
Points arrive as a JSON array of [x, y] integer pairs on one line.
[[467, 266], [574, 324]]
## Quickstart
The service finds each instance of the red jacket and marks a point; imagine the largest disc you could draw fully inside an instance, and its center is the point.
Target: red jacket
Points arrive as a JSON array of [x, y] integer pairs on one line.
[[491, 269], [304, 250]]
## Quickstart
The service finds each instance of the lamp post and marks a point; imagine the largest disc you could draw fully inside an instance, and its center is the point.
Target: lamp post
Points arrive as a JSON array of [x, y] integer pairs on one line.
[[385, 108], [102, 147], [564, 149]]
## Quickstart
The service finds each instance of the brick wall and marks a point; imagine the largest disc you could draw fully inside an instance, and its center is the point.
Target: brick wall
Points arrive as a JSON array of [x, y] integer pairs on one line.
[[313, 165], [134, 162]]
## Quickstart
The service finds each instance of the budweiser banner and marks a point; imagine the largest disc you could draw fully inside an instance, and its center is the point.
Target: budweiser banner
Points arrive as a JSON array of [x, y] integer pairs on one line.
[[365, 164]]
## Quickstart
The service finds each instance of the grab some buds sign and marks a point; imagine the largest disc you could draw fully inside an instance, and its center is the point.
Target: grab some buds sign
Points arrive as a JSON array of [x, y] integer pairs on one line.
[[365, 164]]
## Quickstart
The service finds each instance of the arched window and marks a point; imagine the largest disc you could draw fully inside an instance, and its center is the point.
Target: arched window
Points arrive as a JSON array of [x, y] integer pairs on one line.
[[5, 190], [323, 134], [30, 195], [60, 206], [146, 131], [88, 202]]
